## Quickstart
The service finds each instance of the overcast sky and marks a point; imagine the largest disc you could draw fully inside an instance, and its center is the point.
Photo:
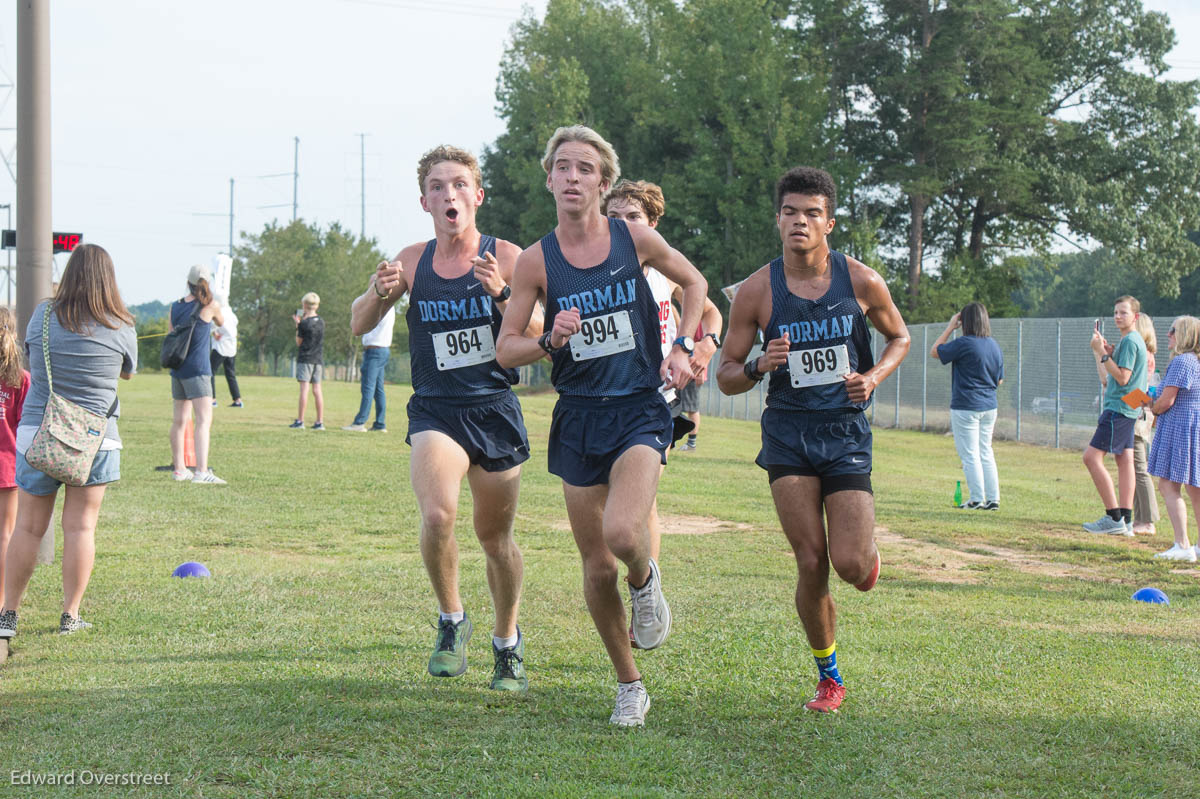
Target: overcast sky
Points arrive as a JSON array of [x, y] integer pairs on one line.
[[156, 105]]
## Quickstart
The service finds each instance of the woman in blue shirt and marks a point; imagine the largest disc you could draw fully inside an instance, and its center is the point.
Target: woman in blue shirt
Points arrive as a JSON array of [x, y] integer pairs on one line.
[[977, 371]]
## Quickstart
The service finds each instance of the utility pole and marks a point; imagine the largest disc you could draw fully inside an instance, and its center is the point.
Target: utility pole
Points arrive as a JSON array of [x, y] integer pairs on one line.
[[8, 275], [35, 246], [231, 217], [295, 176], [362, 177]]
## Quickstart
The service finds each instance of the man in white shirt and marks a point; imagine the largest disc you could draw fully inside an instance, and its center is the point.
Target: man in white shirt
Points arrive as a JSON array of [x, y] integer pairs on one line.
[[377, 350], [224, 351]]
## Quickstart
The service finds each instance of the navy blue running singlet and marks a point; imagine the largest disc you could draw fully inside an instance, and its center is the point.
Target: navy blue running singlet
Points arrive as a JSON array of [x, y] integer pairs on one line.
[[828, 336], [617, 353], [453, 326]]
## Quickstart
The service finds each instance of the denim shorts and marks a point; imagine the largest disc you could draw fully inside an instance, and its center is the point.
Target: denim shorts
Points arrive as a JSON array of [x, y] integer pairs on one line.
[[105, 469]]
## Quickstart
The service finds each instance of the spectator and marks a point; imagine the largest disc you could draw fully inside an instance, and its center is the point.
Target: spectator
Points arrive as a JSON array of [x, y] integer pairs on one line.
[[977, 370], [191, 384], [377, 349], [14, 385], [310, 359], [1175, 454], [91, 342], [1124, 367], [224, 352], [1145, 501]]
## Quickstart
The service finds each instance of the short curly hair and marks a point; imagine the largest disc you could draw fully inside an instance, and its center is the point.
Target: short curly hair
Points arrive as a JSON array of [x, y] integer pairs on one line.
[[446, 152], [646, 194], [807, 180]]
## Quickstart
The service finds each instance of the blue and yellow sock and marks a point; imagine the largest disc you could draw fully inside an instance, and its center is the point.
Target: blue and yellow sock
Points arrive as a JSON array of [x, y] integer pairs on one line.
[[827, 663]]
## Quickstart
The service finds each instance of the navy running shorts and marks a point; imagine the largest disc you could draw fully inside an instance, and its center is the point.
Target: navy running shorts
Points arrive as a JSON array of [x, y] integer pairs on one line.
[[490, 429], [1114, 432], [816, 443], [588, 434]]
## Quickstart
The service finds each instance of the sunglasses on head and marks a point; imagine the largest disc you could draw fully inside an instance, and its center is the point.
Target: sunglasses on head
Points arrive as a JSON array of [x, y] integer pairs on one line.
[[1171, 332]]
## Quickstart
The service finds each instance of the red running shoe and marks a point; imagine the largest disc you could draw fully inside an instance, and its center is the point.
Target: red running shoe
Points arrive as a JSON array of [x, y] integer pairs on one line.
[[869, 583], [828, 698]]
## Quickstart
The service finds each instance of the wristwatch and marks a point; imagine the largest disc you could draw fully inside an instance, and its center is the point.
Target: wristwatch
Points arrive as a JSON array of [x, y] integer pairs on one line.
[[504, 294], [1105, 358], [716, 339], [686, 344], [750, 370]]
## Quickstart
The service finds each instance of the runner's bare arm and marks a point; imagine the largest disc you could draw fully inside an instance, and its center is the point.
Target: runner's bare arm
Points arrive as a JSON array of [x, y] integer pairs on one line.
[[745, 320], [507, 254], [654, 251], [876, 301], [517, 344], [385, 288]]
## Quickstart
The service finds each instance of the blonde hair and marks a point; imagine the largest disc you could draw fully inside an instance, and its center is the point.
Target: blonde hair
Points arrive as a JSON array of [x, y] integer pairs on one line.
[[1187, 336], [445, 152], [1144, 325], [87, 292], [610, 168], [646, 194], [310, 300], [10, 352]]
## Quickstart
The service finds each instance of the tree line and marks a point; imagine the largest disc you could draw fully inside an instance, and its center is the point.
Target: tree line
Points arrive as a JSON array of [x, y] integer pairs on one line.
[[970, 139]]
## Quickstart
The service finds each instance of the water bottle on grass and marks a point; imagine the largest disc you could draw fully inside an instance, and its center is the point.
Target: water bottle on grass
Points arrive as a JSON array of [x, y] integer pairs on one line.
[[957, 493]]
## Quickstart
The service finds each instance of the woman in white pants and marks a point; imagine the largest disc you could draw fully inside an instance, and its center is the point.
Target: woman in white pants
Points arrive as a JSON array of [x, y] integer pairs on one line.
[[977, 370]]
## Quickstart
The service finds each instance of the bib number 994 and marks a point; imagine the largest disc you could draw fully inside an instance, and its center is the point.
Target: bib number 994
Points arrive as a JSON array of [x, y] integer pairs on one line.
[[602, 335], [818, 366]]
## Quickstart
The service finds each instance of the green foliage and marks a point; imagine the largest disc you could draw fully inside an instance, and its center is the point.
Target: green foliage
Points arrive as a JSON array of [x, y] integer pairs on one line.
[[150, 310], [272, 270], [150, 335]]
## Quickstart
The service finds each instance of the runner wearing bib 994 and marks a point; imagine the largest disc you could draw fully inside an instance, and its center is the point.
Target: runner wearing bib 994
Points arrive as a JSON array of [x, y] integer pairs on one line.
[[464, 420], [611, 426], [811, 305]]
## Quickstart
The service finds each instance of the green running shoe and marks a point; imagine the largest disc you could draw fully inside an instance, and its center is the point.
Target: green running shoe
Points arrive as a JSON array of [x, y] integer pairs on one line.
[[508, 674], [449, 658]]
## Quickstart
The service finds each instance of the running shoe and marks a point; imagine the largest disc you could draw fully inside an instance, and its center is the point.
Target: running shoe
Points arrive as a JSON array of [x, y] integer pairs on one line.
[[828, 698], [651, 615], [207, 478], [449, 658], [991, 504], [1176, 552], [71, 624], [8, 624], [1110, 526], [869, 583], [236, 404], [296, 425], [355, 427], [318, 426], [632, 704], [377, 429], [970, 506], [183, 476], [508, 670]]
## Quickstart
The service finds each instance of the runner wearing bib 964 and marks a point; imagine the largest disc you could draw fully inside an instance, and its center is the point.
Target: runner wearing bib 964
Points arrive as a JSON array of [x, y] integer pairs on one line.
[[611, 426], [464, 420], [811, 305]]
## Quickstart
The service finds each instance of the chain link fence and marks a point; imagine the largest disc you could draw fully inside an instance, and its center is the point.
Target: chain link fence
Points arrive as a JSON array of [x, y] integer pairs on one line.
[[1050, 396]]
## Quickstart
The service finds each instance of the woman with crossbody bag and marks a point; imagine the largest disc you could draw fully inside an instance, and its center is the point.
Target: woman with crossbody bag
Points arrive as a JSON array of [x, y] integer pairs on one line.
[[191, 381], [89, 343]]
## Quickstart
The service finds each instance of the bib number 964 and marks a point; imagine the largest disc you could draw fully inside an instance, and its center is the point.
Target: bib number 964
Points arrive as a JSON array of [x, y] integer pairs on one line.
[[458, 348], [818, 366]]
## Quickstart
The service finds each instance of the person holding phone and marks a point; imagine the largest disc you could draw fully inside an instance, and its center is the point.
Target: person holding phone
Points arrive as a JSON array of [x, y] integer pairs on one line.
[[1123, 368]]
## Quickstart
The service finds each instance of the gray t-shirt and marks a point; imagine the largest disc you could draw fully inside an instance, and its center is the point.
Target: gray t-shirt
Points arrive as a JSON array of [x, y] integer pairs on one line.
[[85, 368]]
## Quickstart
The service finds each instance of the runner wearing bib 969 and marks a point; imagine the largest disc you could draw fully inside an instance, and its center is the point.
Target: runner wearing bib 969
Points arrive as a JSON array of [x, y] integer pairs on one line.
[[611, 426], [464, 420], [811, 305]]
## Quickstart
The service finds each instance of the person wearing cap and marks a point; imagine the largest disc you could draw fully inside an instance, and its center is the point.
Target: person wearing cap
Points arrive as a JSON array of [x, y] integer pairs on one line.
[[191, 383]]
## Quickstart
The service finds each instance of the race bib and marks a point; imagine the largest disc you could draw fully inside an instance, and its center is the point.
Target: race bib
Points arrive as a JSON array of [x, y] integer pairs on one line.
[[602, 335], [819, 366], [458, 348]]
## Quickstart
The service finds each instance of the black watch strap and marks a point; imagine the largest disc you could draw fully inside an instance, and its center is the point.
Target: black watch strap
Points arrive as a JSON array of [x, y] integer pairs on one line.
[[504, 294], [716, 339], [751, 371], [544, 343]]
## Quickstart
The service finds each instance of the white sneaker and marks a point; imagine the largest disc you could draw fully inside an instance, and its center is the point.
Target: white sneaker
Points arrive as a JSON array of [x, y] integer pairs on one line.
[[357, 428], [208, 478], [632, 704], [182, 477], [1176, 552], [1196, 549], [651, 615]]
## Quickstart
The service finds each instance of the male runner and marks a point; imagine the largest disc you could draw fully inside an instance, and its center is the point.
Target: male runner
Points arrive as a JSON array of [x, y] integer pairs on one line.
[[641, 203], [611, 427], [463, 417], [812, 305]]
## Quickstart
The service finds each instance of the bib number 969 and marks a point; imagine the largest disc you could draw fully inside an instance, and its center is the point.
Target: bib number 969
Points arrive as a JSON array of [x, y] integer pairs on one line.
[[818, 366]]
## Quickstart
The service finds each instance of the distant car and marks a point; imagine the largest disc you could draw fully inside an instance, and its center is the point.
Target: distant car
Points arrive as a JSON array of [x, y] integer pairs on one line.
[[1071, 402]]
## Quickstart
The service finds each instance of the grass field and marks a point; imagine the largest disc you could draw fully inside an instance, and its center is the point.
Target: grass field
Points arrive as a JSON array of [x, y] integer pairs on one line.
[[1000, 654]]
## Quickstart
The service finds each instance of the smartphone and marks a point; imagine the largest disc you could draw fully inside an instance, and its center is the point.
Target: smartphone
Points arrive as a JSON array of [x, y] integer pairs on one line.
[[1097, 324]]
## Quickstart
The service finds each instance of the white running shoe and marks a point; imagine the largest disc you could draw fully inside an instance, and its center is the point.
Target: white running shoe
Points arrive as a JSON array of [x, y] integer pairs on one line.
[[355, 428], [182, 477], [1176, 552], [1106, 524], [208, 478], [651, 615], [632, 704]]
